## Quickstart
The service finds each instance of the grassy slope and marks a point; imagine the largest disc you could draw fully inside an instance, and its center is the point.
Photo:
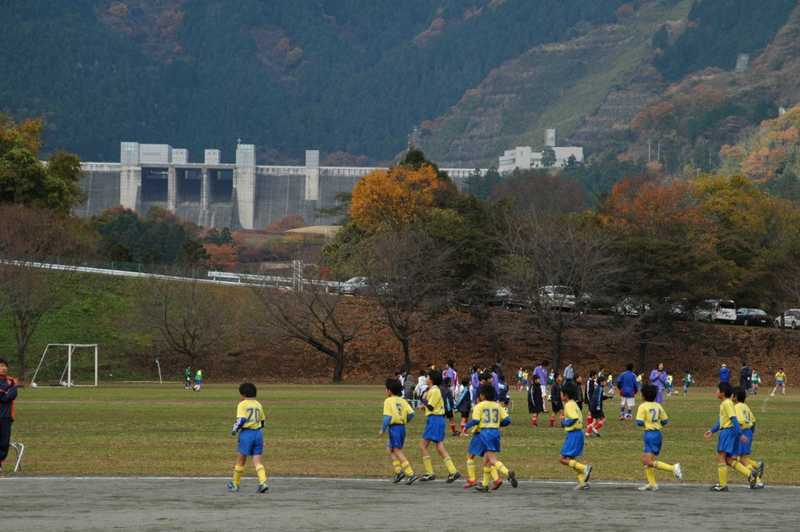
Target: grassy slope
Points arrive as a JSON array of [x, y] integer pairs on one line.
[[332, 431]]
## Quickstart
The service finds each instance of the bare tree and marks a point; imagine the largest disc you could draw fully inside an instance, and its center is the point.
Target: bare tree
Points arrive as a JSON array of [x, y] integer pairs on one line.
[[313, 316], [189, 316], [30, 288], [552, 264], [408, 276]]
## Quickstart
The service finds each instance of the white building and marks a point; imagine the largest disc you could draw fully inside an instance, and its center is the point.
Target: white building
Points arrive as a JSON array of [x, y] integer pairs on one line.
[[524, 158]]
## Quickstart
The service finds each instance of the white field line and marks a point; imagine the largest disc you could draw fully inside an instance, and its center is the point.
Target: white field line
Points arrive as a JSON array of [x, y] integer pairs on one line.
[[615, 483]]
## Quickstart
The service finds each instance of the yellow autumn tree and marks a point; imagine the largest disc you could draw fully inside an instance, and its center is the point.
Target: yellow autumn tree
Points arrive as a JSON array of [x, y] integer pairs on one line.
[[396, 196]]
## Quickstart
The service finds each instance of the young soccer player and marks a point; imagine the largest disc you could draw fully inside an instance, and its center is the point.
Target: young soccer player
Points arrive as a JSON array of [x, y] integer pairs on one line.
[[556, 405], [198, 380], [535, 401], [748, 422], [780, 382], [8, 394], [488, 416], [249, 426], [572, 421], [756, 380], [434, 430], [464, 404], [449, 405], [628, 385], [596, 418], [396, 413], [651, 416], [688, 380], [187, 378], [730, 436]]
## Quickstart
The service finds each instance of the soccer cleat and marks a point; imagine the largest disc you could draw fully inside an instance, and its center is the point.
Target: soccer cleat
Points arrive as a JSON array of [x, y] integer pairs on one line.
[[587, 473], [427, 478], [582, 486], [452, 478], [470, 484], [482, 489], [496, 484], [760, 468], [677, 471], [759, 486], [753, 478], [232, 488], [398, 477], [717, 487], [649, 487], [262, 488], [512, 477], [410, 480]]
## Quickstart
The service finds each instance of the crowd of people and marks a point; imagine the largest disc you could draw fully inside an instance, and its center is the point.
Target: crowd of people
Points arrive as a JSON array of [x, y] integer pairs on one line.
[[483, 405]]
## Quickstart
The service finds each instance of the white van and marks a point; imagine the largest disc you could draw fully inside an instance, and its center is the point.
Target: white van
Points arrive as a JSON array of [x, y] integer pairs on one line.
[[716, 310]]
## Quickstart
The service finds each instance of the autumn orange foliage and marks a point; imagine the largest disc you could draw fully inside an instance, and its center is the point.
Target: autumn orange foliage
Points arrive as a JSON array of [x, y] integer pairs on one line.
[[395, 196]]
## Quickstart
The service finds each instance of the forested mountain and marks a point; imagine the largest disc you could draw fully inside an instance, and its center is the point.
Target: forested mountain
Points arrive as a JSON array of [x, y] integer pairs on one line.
[[357, 76]]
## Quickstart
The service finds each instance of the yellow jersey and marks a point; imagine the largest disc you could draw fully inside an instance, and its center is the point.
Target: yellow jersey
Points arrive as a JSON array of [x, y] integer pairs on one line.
[[726, 412], [398, 409], [652, 414], [489, 415], [571, 411], [434, 398], [252, 412], [780, 376], [745, 416]]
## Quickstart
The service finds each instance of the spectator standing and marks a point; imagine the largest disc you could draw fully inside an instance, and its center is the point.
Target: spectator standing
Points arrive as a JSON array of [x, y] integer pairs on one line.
[[658, 378], [746, 377], [724, 374], [569, 373], [541, 372], [8, 394]]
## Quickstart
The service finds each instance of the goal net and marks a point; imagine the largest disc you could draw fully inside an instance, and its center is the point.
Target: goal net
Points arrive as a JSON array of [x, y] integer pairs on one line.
[[68, 365]]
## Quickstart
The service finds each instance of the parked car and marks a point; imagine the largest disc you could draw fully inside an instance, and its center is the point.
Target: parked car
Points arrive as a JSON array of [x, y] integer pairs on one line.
[[355, 286], [752, 316], [631, 307], [716, 310], [557, 296], [790, 319], [505, 297], [678, 310]]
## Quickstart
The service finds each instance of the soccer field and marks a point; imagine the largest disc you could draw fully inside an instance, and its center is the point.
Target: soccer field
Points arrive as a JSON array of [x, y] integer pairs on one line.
[[333, 431]]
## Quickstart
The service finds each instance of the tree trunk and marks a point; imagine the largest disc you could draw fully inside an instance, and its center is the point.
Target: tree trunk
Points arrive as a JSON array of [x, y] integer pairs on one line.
[[338, 367], [643, 342], [406, 343], [556, 349], [21, 360]]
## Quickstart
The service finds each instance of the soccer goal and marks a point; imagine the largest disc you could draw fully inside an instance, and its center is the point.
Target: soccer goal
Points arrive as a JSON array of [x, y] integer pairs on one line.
[[68, 365]]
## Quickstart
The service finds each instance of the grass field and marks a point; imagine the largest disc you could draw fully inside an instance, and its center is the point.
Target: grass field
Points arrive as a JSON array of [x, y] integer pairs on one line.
[[333, 431]]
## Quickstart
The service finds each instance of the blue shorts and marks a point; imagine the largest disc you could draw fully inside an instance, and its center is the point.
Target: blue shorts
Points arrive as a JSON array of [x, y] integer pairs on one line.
[[397, 436], [652, 441], [476, 447], [434, 429], [573, 444], [198, 383], [251, 442], [490, 439], [746, 449], [728, 443]]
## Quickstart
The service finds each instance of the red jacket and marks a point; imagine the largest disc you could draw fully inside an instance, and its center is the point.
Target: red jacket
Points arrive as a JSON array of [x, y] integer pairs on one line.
[[8, 392]]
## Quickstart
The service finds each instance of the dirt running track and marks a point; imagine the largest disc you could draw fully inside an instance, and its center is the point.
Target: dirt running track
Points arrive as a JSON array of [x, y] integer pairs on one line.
[[329, 504]]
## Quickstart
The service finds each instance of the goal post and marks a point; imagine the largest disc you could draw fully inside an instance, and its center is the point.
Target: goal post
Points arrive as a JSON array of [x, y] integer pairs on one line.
[[68, 365]]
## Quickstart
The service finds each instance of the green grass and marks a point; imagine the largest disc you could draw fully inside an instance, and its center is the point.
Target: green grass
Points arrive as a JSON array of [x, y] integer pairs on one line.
[[332, 431]]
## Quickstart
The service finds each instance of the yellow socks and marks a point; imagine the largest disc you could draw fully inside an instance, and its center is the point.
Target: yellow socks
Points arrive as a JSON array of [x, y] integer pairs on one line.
[[650, 475], [471, 470], [396, 466], [237, 474], [740, 468], [663, 466], [407, 468], [722, 471], [262, 474], [501, 468], [495, 474], [426, 460], [487, 474], [451, 468], [577, 466]]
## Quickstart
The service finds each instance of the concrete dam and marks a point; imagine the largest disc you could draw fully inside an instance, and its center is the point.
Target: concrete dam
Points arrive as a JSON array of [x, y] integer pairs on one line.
[[242, 194]]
